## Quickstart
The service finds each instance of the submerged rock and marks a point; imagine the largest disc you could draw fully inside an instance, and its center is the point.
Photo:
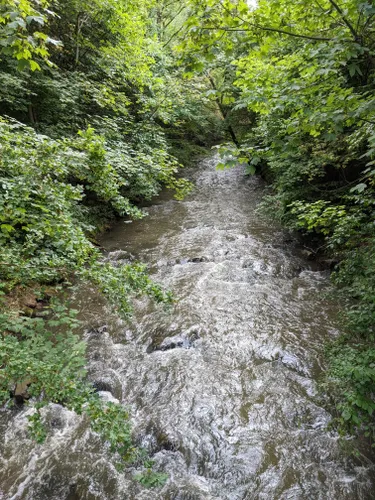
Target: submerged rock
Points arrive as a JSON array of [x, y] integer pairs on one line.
[[108, 382], [107, 396], [187, 260], [328, 264], [168, 344], [119, 257], [156, 440], [308, 254], [100, 330], [185, 341]]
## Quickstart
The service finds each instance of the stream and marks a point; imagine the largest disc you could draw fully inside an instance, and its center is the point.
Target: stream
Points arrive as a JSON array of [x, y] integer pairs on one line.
[[222, 386]]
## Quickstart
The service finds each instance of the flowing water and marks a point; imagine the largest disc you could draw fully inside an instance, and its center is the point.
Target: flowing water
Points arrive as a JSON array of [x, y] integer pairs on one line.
[[223, 385]]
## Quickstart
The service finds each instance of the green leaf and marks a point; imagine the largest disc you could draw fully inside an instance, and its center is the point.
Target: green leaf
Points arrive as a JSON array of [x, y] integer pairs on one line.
[[359, 188], [250, 169]]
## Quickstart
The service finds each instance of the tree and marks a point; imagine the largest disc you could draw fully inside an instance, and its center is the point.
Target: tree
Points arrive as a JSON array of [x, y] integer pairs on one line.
[[306, 72], [22, 36]]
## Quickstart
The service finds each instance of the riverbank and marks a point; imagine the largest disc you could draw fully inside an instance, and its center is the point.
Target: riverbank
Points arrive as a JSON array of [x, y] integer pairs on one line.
[[222, 387], [337, 234], [53, 206]]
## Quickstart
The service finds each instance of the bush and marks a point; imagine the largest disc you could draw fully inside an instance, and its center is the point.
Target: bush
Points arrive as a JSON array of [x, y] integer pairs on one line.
[[44, 204], [44, 360]]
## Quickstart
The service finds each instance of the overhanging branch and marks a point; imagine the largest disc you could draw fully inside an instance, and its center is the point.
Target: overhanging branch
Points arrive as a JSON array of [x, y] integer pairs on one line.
[[344, 18], [266, 28]]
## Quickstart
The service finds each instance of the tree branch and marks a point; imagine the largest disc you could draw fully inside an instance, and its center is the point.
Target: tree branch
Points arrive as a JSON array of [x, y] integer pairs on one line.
[[283, 32], [174, 18], [165, 6], [245, 21], [348, 24], [224, 113], [173, 36], [266, 28]]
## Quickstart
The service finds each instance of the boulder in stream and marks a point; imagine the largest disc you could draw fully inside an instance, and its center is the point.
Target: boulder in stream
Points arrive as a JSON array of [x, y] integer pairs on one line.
[[185, 340]]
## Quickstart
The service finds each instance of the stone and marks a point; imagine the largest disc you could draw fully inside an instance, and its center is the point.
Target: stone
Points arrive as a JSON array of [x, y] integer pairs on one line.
[[329, 263], [20, 392], [108, 382], [308, 254], [196, 260], [178, 341]]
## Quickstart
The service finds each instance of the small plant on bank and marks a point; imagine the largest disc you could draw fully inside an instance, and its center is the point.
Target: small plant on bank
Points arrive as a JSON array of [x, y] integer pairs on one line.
[[42, 361]]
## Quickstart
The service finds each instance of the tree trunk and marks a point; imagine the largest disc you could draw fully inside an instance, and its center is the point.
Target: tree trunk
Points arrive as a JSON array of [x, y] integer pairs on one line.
[[224, 114]]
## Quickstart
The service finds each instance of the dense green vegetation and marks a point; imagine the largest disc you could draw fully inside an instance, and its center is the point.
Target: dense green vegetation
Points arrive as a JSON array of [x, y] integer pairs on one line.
[[102, 101], [92, 107], [298, 78]]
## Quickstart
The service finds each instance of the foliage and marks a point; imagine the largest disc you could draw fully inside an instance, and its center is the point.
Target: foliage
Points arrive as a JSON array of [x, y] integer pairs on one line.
[[51, 363], [119, 284], [305, 74], [46, 357], [20, 35], [92, 102], [44, 203], [151, 479], [352, 378], [44, 236]]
